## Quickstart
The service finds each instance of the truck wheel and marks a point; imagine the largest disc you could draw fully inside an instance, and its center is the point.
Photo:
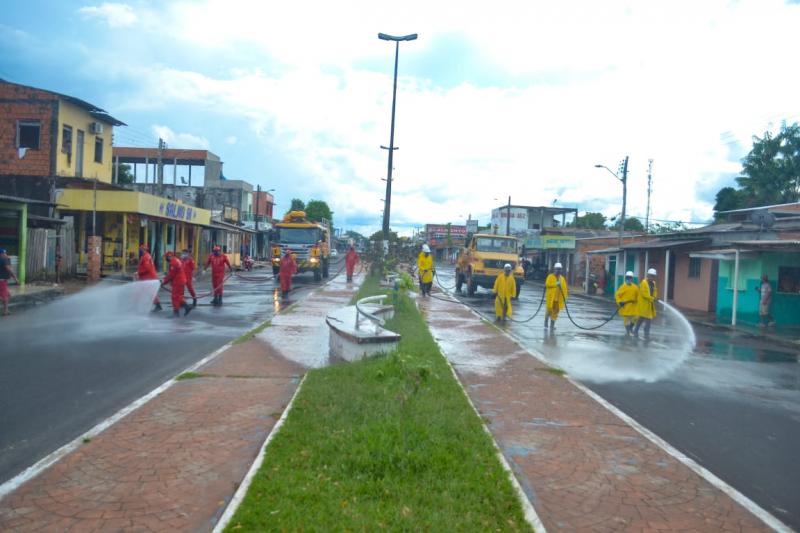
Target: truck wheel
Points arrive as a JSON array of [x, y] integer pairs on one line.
[[471, 285], [325, 272], [275, 270]]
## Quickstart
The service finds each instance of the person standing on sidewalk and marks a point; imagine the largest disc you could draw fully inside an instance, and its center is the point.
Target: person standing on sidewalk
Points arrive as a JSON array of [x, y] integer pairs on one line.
[[627, 298], [146, 272], [350, 261], [6, 273], [648, 294], [218, 261], [189, 267], [425, 270], [764, 303], [288, 268], [556, 293], [177, 278], [505, 288]]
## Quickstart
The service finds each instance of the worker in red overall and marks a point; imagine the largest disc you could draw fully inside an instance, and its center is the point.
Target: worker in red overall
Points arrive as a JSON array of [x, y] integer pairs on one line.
[[189, 267], [287, 269], [217, 260], [147, 271], [350, 261], [176, 276]]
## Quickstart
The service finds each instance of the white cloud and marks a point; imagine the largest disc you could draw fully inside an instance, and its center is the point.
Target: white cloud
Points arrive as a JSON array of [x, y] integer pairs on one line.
[[591, 83], [114, 14], [231, 139], [180, 140]]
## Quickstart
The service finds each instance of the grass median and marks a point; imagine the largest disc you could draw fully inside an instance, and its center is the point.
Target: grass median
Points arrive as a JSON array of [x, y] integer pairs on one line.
[[386, 443]]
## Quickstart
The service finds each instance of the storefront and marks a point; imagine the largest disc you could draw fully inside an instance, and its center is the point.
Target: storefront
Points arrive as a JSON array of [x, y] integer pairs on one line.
[[126, 219]]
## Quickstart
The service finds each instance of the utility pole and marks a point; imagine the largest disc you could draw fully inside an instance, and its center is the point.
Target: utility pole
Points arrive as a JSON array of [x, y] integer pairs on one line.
[[624, 180], [258, 235], [649, 191], [508, 218]]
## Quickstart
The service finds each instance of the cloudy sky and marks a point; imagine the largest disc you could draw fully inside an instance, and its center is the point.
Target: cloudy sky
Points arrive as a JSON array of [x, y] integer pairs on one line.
[[517, 98]]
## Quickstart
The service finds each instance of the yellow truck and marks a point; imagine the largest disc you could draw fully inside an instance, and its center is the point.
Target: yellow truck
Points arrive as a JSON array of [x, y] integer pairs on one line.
[[483, 259], [308, 241]]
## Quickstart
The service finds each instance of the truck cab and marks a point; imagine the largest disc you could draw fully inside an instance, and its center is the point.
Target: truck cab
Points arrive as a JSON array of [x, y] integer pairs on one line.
[[308, 242], [483, 259]]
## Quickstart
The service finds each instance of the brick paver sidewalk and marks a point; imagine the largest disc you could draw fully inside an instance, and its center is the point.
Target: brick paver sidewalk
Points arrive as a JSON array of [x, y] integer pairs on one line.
[[175, 463], [582, 467]]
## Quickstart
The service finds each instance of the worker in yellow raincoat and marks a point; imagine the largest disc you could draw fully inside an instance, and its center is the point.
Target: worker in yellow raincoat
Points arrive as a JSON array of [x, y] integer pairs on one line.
[[627, 298], [425, 270], [648, 294], [505, 288], [556, 293]]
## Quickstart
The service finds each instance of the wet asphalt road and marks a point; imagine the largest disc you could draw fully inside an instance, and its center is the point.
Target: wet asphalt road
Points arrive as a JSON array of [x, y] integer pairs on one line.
[[69, 365], [729, 401]]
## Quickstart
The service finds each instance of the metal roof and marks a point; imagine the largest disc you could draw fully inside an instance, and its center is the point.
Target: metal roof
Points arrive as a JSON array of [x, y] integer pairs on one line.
[[661, 244], [793, 206], [21, 200]]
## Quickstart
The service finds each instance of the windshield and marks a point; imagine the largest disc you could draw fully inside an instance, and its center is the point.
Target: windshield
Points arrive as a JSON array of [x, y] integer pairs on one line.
[[298, 235], [489, 244]]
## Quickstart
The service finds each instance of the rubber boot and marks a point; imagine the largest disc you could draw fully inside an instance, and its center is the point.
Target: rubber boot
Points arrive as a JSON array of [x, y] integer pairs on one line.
[[216, 300], [157, 307], [219, 301], [552, 324], [546, 320], [186, 309], [194, 302], [176, 313]]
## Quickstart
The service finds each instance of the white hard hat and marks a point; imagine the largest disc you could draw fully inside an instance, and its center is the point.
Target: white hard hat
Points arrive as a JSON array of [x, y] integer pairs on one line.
[[426, 248], [557, 265], [507, 266], [652, 272], [628, 274]]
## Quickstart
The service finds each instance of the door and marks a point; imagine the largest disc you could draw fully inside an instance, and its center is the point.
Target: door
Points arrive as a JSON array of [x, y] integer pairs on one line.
[[79, 155]]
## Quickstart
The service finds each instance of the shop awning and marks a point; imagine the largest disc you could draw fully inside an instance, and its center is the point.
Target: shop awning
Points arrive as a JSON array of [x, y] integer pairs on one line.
[[133, 202], [723, 255], [21, 200], [660, 244]]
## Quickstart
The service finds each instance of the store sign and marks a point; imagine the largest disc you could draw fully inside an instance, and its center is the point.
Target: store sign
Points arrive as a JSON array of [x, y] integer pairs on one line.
[[550, 242], [472, 226], [176, 210], [444, 229]]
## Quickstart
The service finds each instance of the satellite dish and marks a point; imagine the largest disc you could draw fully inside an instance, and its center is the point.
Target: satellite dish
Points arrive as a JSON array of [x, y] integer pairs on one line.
[[763, 218]]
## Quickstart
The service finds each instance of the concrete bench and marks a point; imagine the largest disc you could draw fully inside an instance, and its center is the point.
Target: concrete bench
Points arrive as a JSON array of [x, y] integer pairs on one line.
[[352, 343]]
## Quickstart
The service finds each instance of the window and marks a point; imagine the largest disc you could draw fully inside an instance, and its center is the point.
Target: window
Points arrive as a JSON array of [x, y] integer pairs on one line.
[[789, 279], [28, 134], [66, 140], [694, 267], [497, 244], [98, 149]]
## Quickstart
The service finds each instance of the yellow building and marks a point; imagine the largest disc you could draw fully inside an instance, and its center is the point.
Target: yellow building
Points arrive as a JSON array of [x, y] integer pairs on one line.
[[84, 143], [125, 219]]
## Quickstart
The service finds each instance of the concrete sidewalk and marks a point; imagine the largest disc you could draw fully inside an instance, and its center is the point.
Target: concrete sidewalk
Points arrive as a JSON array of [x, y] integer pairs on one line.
[[175, 462], [583, 467]]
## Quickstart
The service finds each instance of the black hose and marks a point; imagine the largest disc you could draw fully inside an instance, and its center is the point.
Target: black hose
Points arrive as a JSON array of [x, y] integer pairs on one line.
[[512, 319], [566, 308]]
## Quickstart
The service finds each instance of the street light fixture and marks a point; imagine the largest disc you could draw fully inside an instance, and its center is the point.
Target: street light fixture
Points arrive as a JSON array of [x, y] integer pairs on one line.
[[391, 148], [624, 180]]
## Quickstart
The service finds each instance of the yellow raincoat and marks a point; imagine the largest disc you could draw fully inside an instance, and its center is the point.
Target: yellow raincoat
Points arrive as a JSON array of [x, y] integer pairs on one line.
[[555, 295], [425, 268], [647, 300], [630, 295], [505, 288]]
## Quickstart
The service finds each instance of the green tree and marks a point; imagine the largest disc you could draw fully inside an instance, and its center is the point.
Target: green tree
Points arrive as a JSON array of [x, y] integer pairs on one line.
[[124, 175], [631, 224], [771, 171], [378, 236], [297, 205], [317, 210], [727, 199], [590, 220]]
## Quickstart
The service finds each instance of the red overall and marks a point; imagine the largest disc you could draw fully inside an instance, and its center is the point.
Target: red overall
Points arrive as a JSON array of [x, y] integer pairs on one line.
[[350, 261], [287, 270], [147, 270], [217, 263], [188, 271], [178, 280]]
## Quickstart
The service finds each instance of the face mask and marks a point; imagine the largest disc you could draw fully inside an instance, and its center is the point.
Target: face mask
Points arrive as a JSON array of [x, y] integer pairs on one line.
[[185, 256], [216, 252]]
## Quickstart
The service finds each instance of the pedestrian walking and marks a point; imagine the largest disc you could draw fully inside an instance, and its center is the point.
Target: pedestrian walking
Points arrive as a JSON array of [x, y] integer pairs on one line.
[[425, 270], [176, 277], [288, 267], [627, 298], [646, 307], [189, 266], [146, 271], [350, 261], [556, 293], [764, 303], [218, 261], [505, 288], [6, 273]]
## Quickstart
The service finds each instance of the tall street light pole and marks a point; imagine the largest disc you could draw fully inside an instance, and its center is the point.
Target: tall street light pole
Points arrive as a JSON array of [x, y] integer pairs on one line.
[[624, 180], [391, 147]]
